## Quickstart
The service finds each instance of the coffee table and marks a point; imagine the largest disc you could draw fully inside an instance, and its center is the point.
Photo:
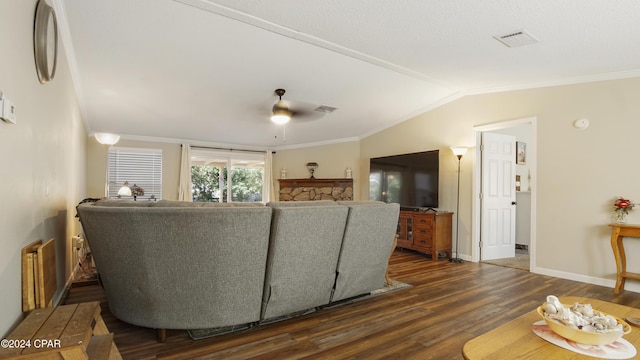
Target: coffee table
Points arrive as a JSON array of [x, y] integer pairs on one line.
[[516, 340]]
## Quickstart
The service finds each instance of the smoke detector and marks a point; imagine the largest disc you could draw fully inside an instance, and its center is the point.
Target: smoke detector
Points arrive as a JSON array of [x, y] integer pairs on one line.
[[516, 38]]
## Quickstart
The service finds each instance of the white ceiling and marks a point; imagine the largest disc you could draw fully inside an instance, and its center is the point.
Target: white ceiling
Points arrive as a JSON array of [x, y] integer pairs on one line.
[[206, 71]]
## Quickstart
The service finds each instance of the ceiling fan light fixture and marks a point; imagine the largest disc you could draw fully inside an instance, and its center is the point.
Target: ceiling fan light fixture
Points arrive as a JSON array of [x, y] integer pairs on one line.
[[280, 119], [281, 114]]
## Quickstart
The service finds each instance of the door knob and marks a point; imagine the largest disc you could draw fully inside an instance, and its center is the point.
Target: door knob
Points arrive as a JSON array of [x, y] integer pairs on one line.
[[513, 203]]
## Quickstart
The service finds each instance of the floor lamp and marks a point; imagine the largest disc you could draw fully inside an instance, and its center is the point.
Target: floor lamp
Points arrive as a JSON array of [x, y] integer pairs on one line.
[[458, 151]]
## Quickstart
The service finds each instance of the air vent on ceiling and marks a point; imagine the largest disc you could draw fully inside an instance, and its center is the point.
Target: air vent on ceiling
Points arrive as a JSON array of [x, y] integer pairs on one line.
[[516, 38], [325, 109]]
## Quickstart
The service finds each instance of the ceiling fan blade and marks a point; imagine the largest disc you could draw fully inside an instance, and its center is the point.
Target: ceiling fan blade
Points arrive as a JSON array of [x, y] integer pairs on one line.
[[306, 115], [304, 111]]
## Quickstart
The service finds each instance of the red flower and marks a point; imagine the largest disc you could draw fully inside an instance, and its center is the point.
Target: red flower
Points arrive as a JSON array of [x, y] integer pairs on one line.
[[623, 204]]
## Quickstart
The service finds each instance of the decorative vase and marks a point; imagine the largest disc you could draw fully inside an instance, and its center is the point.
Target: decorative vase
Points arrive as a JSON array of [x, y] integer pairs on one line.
[[312, 166], [620, 217]]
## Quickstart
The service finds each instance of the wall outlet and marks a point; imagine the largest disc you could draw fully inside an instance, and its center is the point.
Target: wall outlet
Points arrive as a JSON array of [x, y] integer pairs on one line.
[[78, 242], [7, 110]]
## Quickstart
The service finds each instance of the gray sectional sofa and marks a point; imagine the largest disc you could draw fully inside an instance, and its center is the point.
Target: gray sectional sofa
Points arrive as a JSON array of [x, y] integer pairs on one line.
[[181, 265]]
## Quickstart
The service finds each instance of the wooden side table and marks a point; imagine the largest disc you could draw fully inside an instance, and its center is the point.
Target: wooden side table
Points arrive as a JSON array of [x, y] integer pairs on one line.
[[619, 231], [65, 332]]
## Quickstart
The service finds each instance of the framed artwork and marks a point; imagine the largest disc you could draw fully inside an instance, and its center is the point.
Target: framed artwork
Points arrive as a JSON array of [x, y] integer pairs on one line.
[[521, 153]]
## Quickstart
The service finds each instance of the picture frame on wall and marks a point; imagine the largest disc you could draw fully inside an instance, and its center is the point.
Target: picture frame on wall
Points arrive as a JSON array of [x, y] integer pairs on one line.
[[521, 153]]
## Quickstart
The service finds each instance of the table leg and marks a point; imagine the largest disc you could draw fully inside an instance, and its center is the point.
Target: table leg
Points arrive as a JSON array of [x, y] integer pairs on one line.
[[621, 261]]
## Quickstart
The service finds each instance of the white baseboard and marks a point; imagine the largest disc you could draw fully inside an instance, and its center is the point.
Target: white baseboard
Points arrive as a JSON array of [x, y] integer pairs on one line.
[[610, 283]]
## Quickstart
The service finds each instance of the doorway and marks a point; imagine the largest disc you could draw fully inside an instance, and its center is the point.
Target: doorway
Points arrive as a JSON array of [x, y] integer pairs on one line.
[[525, 132]]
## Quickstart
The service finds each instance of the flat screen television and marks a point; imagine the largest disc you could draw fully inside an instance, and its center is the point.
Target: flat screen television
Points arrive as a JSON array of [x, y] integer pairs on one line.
[[410, 180]]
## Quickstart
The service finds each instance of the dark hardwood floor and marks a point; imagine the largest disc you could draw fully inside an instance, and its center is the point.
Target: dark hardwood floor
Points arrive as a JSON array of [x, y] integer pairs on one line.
[[448, 304]]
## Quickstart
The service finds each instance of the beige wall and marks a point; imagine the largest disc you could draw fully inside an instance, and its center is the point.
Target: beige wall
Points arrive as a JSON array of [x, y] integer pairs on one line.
[[579, 171], [333, 161], [43, 159], [97, 166]]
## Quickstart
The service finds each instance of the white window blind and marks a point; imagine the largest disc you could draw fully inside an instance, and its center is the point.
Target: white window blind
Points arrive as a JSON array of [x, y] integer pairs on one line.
[[137, 166]]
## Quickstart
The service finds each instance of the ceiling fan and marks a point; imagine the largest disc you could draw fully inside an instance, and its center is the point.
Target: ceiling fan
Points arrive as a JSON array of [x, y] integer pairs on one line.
[[282, 112]]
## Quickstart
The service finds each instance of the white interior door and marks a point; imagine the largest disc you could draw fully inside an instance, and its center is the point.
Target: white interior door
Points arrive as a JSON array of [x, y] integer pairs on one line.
[[498, 217]]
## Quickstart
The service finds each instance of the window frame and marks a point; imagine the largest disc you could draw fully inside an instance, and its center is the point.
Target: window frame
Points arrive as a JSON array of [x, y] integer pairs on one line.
[[228, 159]]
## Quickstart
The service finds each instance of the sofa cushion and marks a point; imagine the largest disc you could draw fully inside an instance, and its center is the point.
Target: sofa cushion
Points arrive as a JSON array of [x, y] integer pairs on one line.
[[232, 204], [206, 204], [175, 203]]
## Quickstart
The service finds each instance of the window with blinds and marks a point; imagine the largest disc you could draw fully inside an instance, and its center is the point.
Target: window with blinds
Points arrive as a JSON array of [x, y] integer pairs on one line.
[[138, 167]]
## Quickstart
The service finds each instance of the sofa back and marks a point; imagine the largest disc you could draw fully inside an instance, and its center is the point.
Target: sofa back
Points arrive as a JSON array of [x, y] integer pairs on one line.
[[183, 265], [303, 252], [179, 267], [366, 246]]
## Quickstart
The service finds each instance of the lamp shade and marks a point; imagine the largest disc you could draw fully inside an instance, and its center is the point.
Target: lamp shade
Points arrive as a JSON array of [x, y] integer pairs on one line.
[[125, 190], [107, 138], [459, 151]]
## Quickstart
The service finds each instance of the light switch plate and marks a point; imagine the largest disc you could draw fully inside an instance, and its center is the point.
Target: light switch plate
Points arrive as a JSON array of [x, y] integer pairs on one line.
[[7, 110]]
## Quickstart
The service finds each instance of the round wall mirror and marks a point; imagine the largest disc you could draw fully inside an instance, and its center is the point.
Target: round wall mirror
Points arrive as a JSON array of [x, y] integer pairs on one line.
[[45, 41]]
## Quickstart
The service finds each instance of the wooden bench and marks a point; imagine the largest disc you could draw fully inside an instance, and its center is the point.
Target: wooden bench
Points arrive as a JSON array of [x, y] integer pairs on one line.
[[74, 331]]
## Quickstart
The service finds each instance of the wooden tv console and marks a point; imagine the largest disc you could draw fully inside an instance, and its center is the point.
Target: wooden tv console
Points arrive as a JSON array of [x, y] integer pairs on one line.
[[427, 232]]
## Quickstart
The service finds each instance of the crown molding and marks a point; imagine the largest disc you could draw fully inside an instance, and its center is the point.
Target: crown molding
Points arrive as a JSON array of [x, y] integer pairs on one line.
[[317, 143], [562, 82], [481, 91], [232, 146]]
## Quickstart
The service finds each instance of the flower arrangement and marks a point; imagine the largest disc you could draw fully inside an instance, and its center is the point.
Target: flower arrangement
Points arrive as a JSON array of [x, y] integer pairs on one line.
[[137, 190], [622, 207], [622, 204]]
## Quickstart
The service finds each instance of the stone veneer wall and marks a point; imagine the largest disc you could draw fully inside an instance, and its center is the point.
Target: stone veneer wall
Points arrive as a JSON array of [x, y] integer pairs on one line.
[[315, 189]]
